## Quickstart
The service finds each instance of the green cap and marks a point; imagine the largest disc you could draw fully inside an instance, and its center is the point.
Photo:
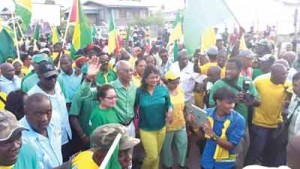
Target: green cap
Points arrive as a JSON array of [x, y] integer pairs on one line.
[[38, 58]]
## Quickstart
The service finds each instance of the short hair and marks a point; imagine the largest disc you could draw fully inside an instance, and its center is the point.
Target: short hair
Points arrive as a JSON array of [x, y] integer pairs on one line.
[[138, 61], [24, 56], [119, 63], [35, 98], [296, 76], [237, 62], [14, 103], [102, 90], [162, 50], [224, 93]]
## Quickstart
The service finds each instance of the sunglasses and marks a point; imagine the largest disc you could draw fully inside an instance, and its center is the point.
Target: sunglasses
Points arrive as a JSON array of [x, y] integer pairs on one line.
[[50, 78]]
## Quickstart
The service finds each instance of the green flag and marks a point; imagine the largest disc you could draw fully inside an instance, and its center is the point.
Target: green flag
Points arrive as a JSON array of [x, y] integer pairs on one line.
[[24, 10], [36, 35], [199, 16], [7, 47], [176, 33]]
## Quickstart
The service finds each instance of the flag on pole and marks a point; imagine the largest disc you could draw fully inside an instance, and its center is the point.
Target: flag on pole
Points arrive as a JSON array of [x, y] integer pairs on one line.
[[199, 16], [7, 47], [24, 10], [55, 35], [36, 34], [176, 33], [208, 38], [113, 44], [243, 42], [82, 32]]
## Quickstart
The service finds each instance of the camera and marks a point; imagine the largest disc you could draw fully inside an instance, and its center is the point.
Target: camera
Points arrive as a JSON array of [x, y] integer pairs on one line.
[[248, 97]]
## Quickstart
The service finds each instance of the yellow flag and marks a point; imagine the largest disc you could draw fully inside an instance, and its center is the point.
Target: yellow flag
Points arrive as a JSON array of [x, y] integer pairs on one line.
[[208, 39]]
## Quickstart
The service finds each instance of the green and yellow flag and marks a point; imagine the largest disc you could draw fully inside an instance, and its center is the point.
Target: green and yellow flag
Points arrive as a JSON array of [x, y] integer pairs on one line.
[[36, 34], [82, 32], [7, 47], [176, 33], [55, 35], [113, 43], [24, 10]]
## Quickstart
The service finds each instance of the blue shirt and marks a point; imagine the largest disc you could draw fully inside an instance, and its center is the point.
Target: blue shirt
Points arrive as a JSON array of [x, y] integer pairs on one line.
[[48, 150], [69, 84], [59, 108], [8, 86], [234, 134]]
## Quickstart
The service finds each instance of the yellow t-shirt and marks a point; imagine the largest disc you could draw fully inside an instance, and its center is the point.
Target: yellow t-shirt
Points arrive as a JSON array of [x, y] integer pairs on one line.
[[223, 70], [6, 167], [272, 96], [25, 70], [84, 160], [2, 104], [137, 80], [178, 115], [204, 68]]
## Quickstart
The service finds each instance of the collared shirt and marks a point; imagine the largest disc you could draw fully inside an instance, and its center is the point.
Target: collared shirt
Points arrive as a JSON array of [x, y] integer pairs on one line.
[[29, 81], [48, 150], [240, 107], [69, 84], [187, 78], [58, 103], [294, 113], [153, 107], [7, 85], [125, 102], [234, 133], [103, 78]]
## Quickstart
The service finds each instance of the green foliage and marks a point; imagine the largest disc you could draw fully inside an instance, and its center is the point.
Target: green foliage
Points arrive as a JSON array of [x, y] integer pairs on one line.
[[155, 19]]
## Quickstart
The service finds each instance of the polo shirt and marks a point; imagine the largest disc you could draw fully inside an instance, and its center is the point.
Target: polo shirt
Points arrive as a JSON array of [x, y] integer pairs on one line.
[[234, 133], [8, 86], [153, 108]]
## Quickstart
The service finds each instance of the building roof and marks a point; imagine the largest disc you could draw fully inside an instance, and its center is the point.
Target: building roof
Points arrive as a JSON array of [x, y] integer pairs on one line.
[[119, 4]]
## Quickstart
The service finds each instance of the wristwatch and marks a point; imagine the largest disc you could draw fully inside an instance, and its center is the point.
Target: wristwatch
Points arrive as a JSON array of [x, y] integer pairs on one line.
[[215, 137]]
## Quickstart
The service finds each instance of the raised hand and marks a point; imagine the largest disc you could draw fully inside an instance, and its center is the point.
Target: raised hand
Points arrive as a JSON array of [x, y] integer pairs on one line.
[[93, 68]]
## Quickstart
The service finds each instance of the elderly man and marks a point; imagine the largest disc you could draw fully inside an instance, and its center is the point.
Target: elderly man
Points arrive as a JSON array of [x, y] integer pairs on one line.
[[8, 80], [267, 118], [47, 85], [124, 88], [43, 130], [14, 154]]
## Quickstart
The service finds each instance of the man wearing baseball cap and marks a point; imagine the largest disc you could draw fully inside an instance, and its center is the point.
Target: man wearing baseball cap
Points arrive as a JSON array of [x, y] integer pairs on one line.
[[14, 154], [101, 140]]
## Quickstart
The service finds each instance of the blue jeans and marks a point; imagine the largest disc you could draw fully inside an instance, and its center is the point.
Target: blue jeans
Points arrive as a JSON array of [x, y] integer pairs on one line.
[[263, 148]]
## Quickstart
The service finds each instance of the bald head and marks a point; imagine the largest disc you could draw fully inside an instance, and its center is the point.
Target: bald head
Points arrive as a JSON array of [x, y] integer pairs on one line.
[[36, 99], [7, 70], [289, 56], [278, 73], [214, 73], [282, 62]]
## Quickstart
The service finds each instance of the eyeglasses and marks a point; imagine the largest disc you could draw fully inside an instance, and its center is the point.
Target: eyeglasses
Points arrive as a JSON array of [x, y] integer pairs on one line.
[[50, 78], [111, 97]]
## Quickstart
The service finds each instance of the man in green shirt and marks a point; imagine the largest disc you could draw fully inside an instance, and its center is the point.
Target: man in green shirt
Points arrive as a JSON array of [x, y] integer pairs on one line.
[[104, 75], [14, 154], [246, 96]]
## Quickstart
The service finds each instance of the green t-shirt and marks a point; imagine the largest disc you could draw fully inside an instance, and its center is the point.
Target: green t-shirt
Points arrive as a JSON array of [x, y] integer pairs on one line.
[[239, 107], [153, 108], [82, 108], [256, 72], [27, 158], [102, 79], [100, 117]]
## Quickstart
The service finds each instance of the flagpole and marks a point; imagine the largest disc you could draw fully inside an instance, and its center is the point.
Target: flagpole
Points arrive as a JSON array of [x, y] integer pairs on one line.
[[16, 39], [235, 18], [68, 24], [19, 27]]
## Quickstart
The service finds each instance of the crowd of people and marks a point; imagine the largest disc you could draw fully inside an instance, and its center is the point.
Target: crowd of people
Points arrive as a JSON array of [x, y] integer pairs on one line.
[[62, 111]]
